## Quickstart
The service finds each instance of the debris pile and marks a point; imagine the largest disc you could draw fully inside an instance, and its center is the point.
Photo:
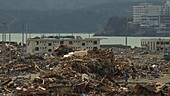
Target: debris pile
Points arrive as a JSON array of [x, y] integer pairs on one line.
[[152, 89], [63, 50], [94, 72]]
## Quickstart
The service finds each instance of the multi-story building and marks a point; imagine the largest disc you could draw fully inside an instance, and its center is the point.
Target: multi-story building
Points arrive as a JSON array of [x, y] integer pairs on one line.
[[156, 16], [48, 44], [139, 11], [156, 45]]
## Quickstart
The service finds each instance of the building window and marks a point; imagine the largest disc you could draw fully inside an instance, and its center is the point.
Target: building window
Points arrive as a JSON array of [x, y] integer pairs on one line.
[[71, 42], [94, 47], [61, 42], [49, 50], [36, 48], [37, 42], [83, 44], [158, 43], [95, 42], [49, 44]]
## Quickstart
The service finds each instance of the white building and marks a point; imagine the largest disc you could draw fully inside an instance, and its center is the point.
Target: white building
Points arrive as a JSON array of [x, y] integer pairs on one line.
[[48, 44], [156, 45], [139, 11], [156, 16]]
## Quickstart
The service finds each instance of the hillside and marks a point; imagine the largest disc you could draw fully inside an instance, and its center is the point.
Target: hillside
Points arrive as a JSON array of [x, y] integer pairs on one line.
[[64, 15], [62, 4], [117, 26]]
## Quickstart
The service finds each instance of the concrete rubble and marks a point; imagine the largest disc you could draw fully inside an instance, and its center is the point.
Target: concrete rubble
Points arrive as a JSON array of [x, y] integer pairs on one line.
[[68, 72]]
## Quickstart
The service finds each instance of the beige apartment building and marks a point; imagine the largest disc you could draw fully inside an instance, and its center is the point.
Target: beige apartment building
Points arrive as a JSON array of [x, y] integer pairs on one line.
[[48, 44], [156, 45], [155, 16]]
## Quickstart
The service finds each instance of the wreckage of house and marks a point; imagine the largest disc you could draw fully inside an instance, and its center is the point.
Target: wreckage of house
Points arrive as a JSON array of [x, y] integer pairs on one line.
[[45, 44]]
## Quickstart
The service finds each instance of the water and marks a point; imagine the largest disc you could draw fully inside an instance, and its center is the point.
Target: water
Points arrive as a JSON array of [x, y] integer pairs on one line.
[[132, 41]]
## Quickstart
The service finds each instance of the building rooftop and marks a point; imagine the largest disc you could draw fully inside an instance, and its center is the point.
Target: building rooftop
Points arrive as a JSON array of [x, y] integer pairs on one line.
[[57, 37], [156, 39], [43, 37]]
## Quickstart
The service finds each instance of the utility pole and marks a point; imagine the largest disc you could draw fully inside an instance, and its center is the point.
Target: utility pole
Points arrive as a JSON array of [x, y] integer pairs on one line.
[[163, 33], [89, 34], [23, 39], [26, 31], [26, 35], [29, 35], [164, 43], [126, 32], [4, 43], [10, 57]]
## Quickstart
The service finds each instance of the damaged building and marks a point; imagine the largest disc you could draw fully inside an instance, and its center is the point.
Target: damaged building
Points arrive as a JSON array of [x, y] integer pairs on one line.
[[46, 45]]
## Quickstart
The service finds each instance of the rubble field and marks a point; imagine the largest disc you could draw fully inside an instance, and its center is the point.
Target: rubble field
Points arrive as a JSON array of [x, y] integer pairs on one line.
[[67, 72]]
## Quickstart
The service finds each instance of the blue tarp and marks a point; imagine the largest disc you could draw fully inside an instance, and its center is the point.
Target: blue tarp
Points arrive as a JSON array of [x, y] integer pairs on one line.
[[84, 94]]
